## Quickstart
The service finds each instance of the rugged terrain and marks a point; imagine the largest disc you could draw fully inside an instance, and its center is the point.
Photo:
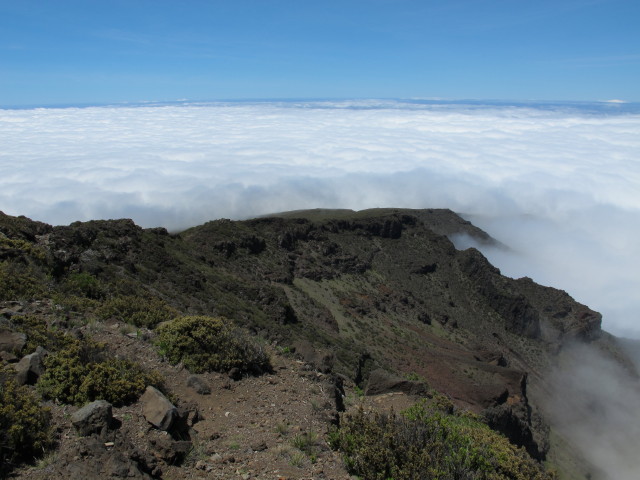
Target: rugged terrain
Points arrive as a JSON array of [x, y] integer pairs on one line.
[[374, 308]]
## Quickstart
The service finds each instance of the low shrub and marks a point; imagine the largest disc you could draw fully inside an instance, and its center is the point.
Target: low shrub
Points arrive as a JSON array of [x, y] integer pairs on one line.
[[18, 247], [205, 344], [40, 334], [18, 281], [426, 443], [147, 311], [68, 303], [25, 429], [83, 372], [84, 285]]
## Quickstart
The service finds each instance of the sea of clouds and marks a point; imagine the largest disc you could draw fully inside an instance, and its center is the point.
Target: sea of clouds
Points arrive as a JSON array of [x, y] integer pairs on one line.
[[558, 184]]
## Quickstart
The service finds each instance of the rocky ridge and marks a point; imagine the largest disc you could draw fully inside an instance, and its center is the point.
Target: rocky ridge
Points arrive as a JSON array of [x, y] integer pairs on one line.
[[378, 302]]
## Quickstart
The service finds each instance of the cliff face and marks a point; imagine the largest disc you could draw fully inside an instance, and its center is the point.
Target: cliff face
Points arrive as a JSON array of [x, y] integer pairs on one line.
[[357, 292]]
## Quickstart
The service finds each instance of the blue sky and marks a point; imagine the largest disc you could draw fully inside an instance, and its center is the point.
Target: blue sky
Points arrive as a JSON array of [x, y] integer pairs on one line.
[[63, 51]]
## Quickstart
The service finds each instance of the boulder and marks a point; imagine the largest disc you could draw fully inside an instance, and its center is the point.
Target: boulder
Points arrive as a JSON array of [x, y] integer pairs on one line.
[[29, 369], [199, 384], [157, 409], [94, 417], [12, 342]]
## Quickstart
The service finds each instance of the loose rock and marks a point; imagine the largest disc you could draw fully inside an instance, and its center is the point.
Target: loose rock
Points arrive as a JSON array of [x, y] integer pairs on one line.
[[157, 409], [29, 369], [94, 417]]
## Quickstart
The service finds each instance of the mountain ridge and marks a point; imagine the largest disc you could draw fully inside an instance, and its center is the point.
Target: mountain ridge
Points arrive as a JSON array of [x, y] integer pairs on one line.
[[353, 293]]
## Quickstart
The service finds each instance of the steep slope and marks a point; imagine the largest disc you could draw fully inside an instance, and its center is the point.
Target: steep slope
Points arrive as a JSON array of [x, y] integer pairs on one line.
[[372, 296]]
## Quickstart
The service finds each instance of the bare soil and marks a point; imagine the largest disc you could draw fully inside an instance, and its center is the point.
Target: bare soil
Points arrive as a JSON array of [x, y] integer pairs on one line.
[[272, 426]]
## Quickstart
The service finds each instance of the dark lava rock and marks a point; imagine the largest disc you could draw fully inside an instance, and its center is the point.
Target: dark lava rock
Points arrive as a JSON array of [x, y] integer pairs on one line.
[[171, 451], [381, 381]]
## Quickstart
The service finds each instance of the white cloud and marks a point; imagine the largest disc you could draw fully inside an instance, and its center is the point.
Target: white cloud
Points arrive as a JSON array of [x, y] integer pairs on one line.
[[593, 402], [559, 184]]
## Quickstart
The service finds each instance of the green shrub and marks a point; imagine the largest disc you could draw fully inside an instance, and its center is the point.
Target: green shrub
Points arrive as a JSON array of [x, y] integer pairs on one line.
[[140, 311], [84, 285], [25, 429], [22, 246], [18, 281], [83, 372], [74, 303], [205, 344], [426, 443], [39, 333]]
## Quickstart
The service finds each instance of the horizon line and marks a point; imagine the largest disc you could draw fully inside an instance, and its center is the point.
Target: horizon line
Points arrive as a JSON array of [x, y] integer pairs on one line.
[[417, 100]]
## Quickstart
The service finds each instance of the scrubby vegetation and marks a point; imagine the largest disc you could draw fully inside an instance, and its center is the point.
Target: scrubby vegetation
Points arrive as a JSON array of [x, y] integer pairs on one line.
[[425, 442], [81, 373], [367, 290], [84, 285], [40, 334], [18, 281], [205, 344], [138, 310], [25, 429]]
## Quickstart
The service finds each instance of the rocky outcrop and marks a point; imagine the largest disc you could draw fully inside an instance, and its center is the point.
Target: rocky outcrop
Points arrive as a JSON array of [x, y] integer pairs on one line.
[[570, 319], [516, 423], [514, 418], [381, 381], [319, 360], [519, 315]]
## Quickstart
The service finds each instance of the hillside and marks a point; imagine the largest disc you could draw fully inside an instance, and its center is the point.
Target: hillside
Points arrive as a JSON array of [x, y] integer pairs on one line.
[[373, 309]]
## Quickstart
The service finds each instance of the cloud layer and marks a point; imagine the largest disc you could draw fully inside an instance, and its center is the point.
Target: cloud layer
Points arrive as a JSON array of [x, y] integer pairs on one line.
[[559, 184]]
